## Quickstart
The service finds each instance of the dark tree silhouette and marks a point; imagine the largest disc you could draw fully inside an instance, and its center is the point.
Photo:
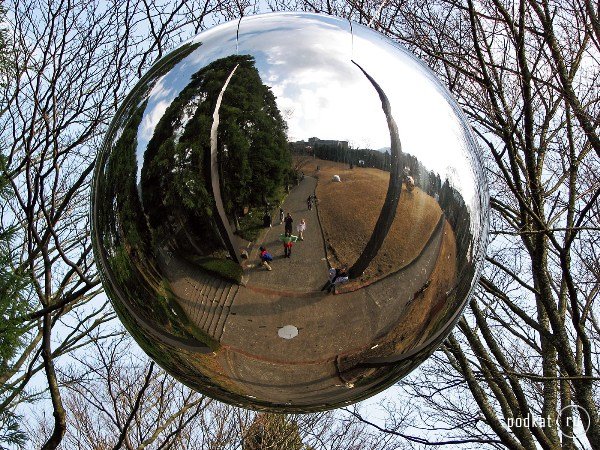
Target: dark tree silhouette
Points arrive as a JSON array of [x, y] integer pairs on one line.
[[273, 431], [388, 210]]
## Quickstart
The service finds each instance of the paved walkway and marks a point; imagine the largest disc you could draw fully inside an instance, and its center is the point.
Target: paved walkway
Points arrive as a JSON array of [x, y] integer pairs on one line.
[[246, 319], [328, 324], [306, 270], [303, 369]]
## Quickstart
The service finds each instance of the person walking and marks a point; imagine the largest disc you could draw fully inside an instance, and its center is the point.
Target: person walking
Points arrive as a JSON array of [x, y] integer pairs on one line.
[[265, 258], [309, 202], [288, 241], [288, 223], [281, 216], [301, 228]]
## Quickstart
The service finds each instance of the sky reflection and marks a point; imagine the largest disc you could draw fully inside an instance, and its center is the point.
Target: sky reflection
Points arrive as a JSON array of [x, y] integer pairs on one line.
[[308, 65]]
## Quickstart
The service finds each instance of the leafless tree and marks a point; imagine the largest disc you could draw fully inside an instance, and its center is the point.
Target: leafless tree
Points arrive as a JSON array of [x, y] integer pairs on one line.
[[526, 74], [115, 398], [71, 64]]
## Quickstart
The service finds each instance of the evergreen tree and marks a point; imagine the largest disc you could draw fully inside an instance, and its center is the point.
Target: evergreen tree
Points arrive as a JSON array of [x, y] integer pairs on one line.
[[13, 306], [12, 282], [13, 303], [254, 158], [273, 431]]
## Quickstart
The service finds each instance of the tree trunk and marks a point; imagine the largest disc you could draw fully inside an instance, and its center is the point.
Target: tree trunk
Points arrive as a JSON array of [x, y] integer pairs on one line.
[[221, 217], [388, 210]]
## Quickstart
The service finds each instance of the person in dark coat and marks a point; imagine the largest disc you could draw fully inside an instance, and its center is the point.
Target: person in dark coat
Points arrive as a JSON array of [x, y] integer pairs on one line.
[[267, 220], [288, 223]]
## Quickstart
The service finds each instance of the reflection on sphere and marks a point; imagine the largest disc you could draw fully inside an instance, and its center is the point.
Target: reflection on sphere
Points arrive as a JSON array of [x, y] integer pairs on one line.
[[289, 213]]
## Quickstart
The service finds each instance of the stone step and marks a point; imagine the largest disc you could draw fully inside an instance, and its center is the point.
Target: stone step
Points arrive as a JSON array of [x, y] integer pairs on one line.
[[197, 299], [207, 295], [220, 326], [200, 305], [219, 310], [215, 290], [205, 299], [215, 307]]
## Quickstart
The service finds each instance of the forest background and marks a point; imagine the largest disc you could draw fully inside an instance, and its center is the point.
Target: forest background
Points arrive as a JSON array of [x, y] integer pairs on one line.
[[526, 74]]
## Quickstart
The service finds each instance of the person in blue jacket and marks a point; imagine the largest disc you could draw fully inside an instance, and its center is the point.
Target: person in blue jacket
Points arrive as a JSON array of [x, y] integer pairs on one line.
[[265, 258]]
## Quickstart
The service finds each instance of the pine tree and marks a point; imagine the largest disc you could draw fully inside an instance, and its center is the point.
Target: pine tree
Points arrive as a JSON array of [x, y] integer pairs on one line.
[[13, 302], [273, 432], [13, 306]]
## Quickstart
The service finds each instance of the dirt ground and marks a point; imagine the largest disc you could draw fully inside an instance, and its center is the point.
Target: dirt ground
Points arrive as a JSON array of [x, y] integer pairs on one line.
[[349, 210]]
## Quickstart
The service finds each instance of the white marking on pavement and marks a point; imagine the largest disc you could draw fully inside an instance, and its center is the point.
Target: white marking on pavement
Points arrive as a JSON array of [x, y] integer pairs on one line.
[[288, 332]]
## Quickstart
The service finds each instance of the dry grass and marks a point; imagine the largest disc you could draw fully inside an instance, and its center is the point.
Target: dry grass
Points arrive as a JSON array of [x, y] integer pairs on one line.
[[349, 211]]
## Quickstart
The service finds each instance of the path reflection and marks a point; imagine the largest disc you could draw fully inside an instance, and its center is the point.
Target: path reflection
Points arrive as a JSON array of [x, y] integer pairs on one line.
[[216, 155]]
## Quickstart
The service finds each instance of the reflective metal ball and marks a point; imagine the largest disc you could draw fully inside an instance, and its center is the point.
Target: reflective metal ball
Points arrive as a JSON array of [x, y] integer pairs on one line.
[[289, 213]]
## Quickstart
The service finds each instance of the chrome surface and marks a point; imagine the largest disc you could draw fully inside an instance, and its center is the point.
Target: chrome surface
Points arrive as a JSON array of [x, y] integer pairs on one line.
[[256, 116]]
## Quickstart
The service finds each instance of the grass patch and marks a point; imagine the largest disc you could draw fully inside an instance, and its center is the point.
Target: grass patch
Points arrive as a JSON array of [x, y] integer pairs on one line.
[[348, 224], [251, 225], [223, 268]]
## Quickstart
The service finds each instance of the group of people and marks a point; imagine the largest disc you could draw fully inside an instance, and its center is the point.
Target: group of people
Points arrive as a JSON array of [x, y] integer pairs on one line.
[[336, 276], [287, 238]]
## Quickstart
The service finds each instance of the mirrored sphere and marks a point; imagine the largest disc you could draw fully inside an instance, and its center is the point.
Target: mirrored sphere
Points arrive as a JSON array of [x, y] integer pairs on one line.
[[289, 213]]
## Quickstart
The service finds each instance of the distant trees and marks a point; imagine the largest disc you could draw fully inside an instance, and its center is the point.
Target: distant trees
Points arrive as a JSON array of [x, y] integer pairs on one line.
[[371, 158], [526, 74]]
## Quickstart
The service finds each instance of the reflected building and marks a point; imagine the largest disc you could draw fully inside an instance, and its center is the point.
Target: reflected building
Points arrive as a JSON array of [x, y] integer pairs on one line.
[[317, 143], [218, 140]]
